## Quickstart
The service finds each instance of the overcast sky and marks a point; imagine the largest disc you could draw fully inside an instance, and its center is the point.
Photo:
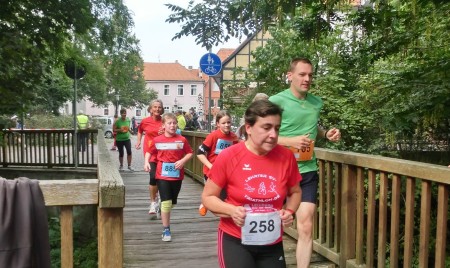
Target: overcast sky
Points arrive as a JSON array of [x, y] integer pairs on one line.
[[155, 34]]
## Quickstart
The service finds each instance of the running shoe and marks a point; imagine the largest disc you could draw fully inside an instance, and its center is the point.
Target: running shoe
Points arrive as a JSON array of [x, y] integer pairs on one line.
[[121, 168], [166, 235], [152, 209], [130, 169], [202, 210]]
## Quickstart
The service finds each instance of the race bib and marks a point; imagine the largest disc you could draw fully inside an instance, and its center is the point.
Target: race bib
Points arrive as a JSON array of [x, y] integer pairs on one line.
[[261, 228], [304, 154], [221, 145], [169, 170]]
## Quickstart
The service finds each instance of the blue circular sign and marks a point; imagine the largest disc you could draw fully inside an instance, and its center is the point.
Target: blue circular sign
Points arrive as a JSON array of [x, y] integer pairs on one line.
[[210, 64]]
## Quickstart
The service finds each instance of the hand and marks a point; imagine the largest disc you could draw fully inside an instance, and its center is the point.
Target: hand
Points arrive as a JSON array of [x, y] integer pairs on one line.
[[179, 164], [302, 141], [333, 135], [138, 146], [147, 167], [239, 215], [287, 218], [161, 130]]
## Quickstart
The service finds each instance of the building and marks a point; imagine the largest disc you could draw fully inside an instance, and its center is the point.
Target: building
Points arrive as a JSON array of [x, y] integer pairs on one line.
[[178, 87]]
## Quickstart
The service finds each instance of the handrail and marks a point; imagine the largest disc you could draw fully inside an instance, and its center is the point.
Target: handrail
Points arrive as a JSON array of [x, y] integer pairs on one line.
[[47, 147], [107, 193], [358, 211]]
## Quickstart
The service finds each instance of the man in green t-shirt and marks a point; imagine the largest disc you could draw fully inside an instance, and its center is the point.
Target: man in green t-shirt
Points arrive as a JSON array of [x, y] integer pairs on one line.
[[122, 128], [299, 129]]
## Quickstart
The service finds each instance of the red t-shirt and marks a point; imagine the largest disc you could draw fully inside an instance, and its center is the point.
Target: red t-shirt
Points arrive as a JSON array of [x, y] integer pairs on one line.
[[168, 150], [151, 128], [256, 182], [217, 141]]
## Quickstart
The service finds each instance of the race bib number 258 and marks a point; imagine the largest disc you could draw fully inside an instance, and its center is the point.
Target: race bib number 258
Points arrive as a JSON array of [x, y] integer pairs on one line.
[[261, 228]]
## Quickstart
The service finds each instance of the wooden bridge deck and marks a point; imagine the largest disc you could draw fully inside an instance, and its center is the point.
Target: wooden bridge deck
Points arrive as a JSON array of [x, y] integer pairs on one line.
[[194, 241]]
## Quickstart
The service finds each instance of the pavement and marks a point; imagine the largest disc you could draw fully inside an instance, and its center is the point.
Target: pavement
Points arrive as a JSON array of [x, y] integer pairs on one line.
[[137, 161]]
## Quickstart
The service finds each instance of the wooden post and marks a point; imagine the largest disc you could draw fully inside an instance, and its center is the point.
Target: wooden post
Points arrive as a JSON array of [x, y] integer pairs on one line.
[[348, 215], [110, 237]]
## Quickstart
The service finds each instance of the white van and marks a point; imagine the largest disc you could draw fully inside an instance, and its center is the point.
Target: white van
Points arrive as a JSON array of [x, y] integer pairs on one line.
[[106, 123]]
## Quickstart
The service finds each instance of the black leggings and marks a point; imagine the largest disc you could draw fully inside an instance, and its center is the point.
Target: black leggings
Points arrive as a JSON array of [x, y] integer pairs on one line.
[[121, 144], [152, 173], [169, 190], [233, 254]]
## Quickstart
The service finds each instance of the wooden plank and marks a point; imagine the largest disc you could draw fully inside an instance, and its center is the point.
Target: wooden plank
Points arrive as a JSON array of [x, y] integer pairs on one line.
[[371, 208], [382, 224], [359, 216], [395, 222], [441, 226], [337, 206], [69, 192], [66, 219], [425, 210], [427, 171], [110, 237], [348, 209], [409, 222], [329, 210], [111, 186], [322, 198]]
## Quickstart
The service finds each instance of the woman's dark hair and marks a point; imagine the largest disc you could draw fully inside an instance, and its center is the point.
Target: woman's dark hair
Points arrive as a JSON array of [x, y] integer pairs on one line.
[[260, 108]]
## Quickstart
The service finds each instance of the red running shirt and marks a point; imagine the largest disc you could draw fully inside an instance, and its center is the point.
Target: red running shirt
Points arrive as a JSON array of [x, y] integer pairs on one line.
[[168, 150], [217, 141], [259, 183]]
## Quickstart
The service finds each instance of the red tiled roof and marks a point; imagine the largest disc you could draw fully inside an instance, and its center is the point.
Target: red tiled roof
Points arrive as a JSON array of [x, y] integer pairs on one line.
[[224, 53], [168, 72]]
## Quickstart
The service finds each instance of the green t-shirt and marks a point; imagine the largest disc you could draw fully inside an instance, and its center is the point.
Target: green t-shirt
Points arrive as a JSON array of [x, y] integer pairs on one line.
[[123, 124], [299, 117]]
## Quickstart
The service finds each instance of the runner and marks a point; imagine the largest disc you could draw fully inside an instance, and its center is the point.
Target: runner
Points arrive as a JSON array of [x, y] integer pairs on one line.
[[215, 143], [171, 152], [152, 127], [258, 175]]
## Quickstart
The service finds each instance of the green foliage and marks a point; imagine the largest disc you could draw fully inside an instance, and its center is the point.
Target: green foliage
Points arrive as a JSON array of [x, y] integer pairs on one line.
[[37, 38]]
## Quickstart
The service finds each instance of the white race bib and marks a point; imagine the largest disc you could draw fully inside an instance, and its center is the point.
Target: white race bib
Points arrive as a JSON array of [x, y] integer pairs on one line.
[[261, 228]]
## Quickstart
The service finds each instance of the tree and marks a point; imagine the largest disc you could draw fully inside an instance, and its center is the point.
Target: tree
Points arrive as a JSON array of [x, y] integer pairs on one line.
[[213, 22], [37, 38], [382, 70]]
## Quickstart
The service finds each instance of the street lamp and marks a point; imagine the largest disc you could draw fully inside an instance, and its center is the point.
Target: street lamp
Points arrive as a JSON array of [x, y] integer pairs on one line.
[[117, 103]]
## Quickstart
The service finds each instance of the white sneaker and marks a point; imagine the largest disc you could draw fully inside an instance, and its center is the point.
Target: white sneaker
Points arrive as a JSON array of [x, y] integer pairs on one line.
[[152, 209], [121, 168], [130, 169]]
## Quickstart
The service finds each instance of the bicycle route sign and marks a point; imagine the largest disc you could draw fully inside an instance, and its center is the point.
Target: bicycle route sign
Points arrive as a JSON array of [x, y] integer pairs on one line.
[[210, 64]]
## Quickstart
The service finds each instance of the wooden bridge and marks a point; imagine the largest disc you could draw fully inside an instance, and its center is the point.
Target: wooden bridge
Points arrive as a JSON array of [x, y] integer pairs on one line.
[[359, 222]]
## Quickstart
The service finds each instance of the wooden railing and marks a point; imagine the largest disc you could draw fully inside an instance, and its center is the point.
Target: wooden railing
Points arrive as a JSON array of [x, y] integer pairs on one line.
[[367, 206], [107, 193], [50, 147]]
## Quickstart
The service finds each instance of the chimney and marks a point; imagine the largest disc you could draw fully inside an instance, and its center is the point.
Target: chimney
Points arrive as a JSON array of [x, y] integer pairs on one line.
[[190, 67]]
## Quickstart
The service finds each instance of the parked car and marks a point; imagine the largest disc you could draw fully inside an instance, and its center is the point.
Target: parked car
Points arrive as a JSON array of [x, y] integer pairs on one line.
[[105, 123]]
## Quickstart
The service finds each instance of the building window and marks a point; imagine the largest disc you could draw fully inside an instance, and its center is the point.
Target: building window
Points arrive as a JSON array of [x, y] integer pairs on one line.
[[166, 90], [138, 112], [180, 90], [166, 109], [106, 111], [193, 90]]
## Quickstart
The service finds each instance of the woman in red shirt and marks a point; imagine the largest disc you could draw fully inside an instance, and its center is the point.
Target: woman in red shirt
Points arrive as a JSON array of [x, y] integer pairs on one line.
[[258, 176], [152, 127]]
